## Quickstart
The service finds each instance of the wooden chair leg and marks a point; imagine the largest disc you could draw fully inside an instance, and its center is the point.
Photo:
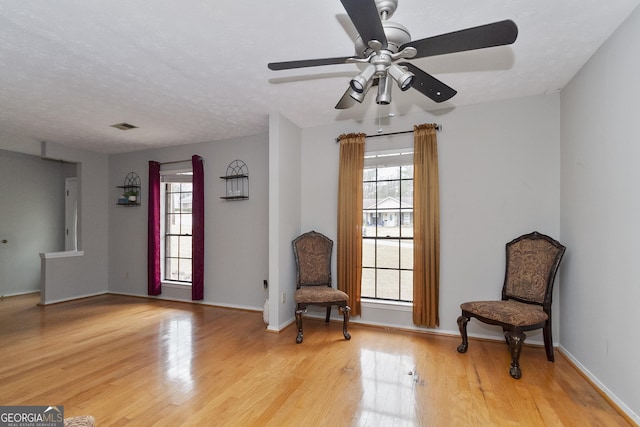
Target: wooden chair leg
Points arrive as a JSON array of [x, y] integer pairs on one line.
[[548, 340], [504, 333], [326, 320], [299, 312], [516, 339], [462, 325], [346, 310]]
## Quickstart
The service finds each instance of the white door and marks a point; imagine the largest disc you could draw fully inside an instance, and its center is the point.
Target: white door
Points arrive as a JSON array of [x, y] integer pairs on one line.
[[71, 214]]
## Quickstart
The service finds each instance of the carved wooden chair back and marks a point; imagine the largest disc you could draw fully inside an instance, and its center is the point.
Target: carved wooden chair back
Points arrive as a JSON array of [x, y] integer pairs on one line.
[[312, 252], [531, 267]]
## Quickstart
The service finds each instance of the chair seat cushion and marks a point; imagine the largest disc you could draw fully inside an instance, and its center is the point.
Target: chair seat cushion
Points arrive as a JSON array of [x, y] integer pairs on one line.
[[509, 312], [319, 295]]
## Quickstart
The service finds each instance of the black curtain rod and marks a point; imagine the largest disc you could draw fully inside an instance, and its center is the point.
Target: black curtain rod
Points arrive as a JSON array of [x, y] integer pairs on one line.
[[438, 128]]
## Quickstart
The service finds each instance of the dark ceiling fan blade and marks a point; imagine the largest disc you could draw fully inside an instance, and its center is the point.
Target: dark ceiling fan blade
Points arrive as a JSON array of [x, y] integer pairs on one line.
[[276, 66], [365, 17], [429, 85], [489, 35]]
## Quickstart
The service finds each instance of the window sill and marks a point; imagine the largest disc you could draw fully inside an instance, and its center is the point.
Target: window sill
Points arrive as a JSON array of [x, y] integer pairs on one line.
[[387, 305], [177, 285]]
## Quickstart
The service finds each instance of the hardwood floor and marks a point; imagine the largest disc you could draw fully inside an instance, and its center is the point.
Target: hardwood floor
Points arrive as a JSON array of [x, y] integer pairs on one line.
[[138, 362]]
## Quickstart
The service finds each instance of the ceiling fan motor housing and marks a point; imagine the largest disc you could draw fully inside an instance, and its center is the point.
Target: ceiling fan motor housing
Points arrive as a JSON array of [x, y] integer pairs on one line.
[[396, 34]]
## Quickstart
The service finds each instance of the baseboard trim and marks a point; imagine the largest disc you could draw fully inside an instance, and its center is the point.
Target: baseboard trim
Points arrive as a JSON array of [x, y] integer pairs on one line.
[[608, 395], [58, 301], [17, 294], [219, 305]]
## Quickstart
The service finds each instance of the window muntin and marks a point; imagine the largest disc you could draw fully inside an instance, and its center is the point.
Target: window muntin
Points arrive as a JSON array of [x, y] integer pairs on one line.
[[387, 241]]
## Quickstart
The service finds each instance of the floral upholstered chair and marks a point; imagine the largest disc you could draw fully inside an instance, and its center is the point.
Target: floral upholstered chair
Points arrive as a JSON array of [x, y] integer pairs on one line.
[[532, 263], [312, 252]]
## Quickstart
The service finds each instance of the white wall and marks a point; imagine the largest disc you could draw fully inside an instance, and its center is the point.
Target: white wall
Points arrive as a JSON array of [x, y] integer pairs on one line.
[[32, 213], [284, 217], [499, 174], [236, 232], [78, 276], [600, 213]]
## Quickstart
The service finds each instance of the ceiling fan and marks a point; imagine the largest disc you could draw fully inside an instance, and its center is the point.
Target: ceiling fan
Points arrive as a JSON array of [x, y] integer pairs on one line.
[[381, 43]]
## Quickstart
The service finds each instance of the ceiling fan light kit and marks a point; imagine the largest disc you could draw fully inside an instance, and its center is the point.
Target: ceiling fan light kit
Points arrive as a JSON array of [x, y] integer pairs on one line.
[[402, 76], [380, 43], [360, 82], [384, 91]]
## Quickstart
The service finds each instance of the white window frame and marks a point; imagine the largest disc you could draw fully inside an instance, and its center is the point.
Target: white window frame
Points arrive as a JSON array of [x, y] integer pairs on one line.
[[395, 157], [173, 175]]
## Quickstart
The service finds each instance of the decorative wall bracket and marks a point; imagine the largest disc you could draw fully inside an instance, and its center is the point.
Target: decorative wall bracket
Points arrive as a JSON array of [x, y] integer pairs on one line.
[[236, 181], [130, 190]]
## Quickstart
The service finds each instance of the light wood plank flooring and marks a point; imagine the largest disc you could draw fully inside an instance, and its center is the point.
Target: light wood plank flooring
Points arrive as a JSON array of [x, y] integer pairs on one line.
[[138, 362]]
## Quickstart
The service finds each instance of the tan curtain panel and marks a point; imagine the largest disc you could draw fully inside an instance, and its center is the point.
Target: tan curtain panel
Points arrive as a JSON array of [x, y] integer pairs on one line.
[[426, 227], [349, 252]]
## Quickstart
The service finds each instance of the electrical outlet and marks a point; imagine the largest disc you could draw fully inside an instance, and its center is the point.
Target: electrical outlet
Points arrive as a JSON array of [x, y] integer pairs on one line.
[[284, 297]]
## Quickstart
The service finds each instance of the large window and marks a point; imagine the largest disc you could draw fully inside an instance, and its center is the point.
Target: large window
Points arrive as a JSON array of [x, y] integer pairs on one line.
[[177, 227], [387, 237]]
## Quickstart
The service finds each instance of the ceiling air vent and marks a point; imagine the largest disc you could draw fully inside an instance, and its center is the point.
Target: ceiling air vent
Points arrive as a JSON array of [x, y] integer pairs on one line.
[[124, 126]]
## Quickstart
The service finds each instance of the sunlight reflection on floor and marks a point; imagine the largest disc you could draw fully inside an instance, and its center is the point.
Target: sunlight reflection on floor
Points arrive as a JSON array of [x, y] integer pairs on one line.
[[388, 383], [177, 340]]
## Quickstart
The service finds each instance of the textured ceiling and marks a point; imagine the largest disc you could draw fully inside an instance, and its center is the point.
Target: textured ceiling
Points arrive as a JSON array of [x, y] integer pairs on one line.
[[188, 71]]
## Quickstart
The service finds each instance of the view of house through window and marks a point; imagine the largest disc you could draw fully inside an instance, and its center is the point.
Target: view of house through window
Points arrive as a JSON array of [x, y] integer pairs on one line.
[[177, 230], [387, 227]]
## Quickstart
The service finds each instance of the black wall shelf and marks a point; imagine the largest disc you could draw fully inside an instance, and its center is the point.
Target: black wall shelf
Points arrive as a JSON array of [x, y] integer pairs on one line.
[[130, 195], [236, 181]]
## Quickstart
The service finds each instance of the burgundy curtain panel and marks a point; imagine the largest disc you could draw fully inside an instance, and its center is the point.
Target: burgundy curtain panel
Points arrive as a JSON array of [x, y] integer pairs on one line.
[[197, 283], [153, 231]]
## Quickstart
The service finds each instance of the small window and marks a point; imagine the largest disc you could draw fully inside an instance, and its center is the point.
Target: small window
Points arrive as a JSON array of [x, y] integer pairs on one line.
[[176, 230]]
